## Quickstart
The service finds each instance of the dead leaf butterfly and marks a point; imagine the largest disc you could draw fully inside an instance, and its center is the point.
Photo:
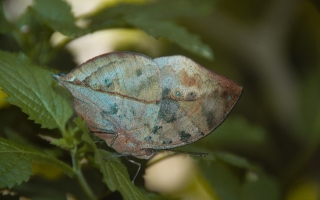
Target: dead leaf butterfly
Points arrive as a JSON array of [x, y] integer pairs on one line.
[[140, 105]]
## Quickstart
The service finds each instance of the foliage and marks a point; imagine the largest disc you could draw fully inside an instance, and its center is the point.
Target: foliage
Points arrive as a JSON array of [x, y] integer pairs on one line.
[[17, 160], [260, 152], [27, 85]]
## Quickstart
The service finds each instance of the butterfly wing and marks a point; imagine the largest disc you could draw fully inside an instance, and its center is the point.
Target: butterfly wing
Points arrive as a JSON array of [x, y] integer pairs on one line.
[[194, 102], [116, 93], [149, 104]]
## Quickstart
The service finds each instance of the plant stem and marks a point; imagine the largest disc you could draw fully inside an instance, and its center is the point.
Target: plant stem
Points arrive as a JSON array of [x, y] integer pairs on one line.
[[85, 185], [82, 181]]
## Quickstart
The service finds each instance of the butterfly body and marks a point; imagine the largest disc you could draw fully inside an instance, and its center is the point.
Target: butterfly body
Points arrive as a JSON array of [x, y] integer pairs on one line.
[[140, 105]]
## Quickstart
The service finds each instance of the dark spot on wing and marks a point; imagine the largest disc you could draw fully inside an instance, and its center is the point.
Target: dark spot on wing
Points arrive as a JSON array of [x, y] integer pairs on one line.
[[167, 142], [211, 121], [224, 94], [166, 93], [148, 138], [184, 136], [108, 82], [145, 84], [168, 110], [202, 134], [114, 109], [138, 72], [156, 129]]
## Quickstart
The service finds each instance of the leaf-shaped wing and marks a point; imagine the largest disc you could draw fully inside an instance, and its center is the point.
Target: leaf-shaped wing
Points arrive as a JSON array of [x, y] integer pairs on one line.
[[117, 94], [194, 102]]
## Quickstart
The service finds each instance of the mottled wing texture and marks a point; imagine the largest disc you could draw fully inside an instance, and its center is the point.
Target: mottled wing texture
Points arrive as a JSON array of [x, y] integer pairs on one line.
[[194, 102], [139, 105], [118, 96]]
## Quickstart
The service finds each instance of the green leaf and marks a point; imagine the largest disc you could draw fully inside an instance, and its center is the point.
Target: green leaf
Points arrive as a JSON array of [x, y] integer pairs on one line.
[[16, 138], [175, 9], [262, 188], [164, 9], [234, 160], [151, 195], [57, 15], [236, 132], [5, 26], [222, 179], [115, 174], [175, 33], [16, 163], [15, 166], [40, 188], [310, 108], [232, 185], [117, 177], [220, 156], [63, 143], [158, 20], [33, 90]]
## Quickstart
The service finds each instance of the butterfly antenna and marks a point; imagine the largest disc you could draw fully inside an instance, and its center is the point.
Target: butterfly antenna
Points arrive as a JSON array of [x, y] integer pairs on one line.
[[139, 166], [174, 153], [190, 153]]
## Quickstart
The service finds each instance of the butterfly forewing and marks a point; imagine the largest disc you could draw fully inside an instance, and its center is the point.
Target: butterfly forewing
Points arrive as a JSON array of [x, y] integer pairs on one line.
[[194, 102]]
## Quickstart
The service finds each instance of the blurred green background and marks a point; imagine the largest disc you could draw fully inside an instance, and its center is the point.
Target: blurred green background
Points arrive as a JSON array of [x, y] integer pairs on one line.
[[271, 48]]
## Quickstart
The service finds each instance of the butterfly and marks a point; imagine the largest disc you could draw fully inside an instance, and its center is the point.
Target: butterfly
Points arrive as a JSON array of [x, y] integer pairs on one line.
[[140, 105]]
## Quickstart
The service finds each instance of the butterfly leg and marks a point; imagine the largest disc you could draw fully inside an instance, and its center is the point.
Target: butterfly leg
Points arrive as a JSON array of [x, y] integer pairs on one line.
[[103, 136], [111, 121], [132, 161], [139, 166], [114, 138]]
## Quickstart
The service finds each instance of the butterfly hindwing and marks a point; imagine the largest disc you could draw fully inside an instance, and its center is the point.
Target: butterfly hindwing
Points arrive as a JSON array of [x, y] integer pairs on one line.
[[117, 95]]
